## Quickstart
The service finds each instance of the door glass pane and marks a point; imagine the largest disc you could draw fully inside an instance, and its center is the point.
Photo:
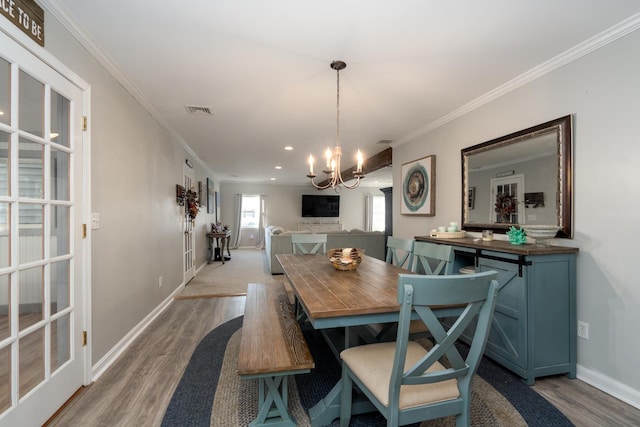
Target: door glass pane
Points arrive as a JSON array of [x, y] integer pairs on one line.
[[60, 230], [60, 113], [31, 232], [30, 167], [5, 297], [4, 163], [60, 286], [31, 309], [5, 91], [31, 362], [31, 99], [60, 341], [59, 175], [5, 236], [5, 378]]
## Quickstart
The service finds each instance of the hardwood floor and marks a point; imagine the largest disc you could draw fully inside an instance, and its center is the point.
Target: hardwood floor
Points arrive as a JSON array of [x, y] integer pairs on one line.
[[138, 387], [136, 390]]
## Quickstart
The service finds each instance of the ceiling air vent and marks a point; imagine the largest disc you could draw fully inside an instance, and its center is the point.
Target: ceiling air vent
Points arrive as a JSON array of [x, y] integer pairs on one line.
[[198, 110]]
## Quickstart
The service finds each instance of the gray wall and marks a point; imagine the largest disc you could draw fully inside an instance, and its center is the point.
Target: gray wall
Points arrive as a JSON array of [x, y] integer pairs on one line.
[[602, 91], [136, 165], [284, 203]]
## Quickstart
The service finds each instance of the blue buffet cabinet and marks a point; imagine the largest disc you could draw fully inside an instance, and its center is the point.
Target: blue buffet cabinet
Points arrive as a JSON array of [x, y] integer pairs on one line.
[[534, 327]]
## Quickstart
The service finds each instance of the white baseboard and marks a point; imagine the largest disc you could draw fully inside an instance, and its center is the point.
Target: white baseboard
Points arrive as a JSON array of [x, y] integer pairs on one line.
[[108, 359], [610, 386]]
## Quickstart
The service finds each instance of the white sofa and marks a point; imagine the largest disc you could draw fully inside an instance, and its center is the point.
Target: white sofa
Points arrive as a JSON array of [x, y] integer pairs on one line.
[[278, 241]]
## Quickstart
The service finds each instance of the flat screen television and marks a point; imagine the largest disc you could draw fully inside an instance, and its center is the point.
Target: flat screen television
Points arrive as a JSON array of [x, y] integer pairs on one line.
[[320, 206]]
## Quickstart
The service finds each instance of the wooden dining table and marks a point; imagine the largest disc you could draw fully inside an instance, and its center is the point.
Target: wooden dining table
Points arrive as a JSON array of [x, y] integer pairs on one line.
[[341, 304]]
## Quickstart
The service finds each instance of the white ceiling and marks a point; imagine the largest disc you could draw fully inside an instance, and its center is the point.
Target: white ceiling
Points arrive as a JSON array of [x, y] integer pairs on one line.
[[262, 67]]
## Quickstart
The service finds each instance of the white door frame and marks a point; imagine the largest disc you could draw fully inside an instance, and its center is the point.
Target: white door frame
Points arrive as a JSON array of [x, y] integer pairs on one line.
[[28, 46], [188, 240]]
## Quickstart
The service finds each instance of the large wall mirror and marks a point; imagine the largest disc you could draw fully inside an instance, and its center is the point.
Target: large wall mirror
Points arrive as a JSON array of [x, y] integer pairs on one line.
[[521, 178]]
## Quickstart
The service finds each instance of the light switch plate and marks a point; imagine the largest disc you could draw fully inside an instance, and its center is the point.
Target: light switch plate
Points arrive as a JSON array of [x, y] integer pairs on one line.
[[95, 221]]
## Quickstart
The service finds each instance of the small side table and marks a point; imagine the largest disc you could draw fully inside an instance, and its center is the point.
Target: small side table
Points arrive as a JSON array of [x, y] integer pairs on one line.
[[222, 239]]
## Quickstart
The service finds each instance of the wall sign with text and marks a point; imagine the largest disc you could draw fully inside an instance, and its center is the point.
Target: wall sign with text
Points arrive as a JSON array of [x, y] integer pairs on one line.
[[27, 16]]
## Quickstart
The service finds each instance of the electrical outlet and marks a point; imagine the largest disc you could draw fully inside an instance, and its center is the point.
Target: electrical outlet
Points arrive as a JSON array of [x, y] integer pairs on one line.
[[583, 330], [160, 280]]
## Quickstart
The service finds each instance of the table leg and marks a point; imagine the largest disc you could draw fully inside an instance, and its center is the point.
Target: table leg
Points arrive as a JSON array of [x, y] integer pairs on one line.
[[211, 251], [328, 409], [222, 241]]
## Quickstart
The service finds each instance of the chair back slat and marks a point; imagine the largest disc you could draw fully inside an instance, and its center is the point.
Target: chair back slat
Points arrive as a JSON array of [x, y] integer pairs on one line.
[[309, 243], [400, 252], [433, 259]]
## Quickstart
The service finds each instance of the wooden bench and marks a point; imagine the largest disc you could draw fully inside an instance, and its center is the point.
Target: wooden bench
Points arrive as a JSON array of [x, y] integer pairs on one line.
[[272, 348]]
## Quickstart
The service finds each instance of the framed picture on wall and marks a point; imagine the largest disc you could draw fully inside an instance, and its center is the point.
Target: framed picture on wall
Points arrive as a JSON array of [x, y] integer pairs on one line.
[[419, 187], [211, 208], [217, 206], [471, 200]]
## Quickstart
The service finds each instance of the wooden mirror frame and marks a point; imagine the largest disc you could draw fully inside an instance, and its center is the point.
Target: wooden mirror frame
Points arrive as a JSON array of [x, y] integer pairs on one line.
[[564, 197]]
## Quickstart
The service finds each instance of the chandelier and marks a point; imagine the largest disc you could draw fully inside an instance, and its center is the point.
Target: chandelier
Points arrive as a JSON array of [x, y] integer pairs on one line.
[[332, 167]]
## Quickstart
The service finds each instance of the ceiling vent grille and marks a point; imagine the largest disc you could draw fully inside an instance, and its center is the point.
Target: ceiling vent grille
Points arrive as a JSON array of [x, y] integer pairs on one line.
[[198, 110]]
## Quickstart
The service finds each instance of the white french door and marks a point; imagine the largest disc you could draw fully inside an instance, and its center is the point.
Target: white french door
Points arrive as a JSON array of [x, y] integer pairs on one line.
[[42, 360], [188, 243], [507, 196]]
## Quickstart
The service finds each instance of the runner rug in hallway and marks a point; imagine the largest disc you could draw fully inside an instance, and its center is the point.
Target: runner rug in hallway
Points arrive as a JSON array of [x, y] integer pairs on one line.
[[231, 278]]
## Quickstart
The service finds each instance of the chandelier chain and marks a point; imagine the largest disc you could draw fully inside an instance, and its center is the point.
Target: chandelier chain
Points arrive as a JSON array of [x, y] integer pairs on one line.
[[338, 107]]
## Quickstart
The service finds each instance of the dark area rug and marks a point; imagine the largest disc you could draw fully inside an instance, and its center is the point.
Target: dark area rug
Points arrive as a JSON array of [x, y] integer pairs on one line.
[[192, 401], [191, 404]]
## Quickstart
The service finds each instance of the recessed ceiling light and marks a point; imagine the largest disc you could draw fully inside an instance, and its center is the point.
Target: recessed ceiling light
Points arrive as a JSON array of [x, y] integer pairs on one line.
[[288, 148], [272, 179], [278, 167]]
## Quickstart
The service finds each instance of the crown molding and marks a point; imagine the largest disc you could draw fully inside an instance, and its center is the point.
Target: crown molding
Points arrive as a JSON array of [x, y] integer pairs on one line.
[[610, 35]]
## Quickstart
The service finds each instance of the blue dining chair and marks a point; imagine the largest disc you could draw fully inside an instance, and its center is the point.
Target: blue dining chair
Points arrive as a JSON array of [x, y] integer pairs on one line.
[[431, 258], [400, 252], [408, 383], [309, 243]]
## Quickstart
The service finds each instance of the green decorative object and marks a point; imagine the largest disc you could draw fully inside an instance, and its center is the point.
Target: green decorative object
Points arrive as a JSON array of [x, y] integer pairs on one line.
[[517, 236]]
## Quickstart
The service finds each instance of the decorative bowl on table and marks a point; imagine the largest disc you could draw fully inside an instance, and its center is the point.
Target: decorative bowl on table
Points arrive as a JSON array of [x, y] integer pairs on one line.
[[541, 233], [345, 259]]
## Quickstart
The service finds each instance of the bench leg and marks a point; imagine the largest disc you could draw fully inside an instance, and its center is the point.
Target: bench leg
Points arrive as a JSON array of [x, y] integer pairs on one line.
[[273, 406]]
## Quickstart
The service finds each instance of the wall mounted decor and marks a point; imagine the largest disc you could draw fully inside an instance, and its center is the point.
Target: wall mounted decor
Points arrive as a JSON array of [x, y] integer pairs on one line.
[[192, 204], [180, 194], [189, 199], [534, 200], [471, 200], [419, 187], [542, 156], [217, 205], [210, 199]]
